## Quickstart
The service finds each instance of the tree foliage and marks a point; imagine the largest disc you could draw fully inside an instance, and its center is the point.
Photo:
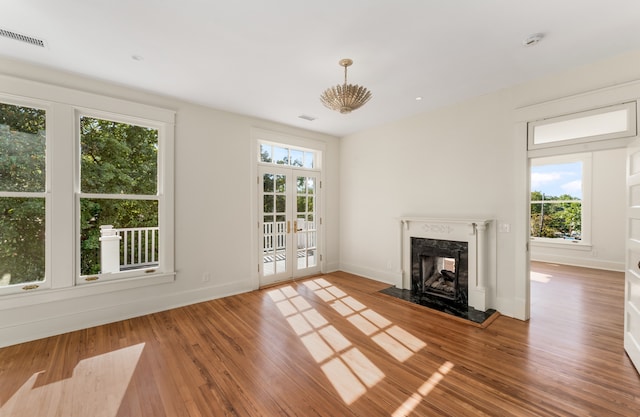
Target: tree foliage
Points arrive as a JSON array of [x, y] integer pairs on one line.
[[555, 216], [22, 169]]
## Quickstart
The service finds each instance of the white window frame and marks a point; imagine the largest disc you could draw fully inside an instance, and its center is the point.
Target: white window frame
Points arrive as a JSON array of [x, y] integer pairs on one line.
[[160, 197], [45, 283], [585, 242], [62, 241]]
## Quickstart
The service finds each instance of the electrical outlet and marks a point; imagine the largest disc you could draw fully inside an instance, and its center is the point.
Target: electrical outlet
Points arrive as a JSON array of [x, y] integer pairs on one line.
[[504, 227]]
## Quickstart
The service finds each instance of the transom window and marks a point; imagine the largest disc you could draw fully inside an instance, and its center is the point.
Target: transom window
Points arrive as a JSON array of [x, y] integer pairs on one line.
[[281, 155], [606, 123]]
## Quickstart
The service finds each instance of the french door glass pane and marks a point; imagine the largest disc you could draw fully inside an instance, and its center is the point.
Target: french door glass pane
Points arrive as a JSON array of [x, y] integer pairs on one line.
[[274, 231], [305, 225]]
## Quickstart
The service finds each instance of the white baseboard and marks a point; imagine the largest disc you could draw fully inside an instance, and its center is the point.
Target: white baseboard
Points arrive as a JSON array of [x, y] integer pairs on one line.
[[77, 320], [388, 277], [577, 261], [331, 267]]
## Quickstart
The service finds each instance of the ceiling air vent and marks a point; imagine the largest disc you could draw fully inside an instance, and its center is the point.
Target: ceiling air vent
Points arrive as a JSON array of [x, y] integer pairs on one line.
[[24, 38]]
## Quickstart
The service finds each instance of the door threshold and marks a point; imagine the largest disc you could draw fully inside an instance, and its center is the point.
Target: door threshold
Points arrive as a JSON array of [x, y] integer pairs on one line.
[[289, 281]]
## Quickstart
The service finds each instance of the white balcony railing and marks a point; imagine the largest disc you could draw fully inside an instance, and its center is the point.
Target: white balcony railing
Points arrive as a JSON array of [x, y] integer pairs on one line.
[[275, 236], [128, 248], [138, 247]]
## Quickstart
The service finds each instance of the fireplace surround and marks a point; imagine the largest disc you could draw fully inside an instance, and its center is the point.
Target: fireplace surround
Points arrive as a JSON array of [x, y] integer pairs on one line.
[[449, 256]]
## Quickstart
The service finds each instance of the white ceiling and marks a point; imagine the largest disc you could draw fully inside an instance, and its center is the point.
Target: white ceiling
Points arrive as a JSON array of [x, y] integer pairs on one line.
[[272, 59]]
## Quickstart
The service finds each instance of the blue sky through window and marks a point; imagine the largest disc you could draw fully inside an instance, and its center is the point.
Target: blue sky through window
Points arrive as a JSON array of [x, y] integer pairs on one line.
[[557, 179]]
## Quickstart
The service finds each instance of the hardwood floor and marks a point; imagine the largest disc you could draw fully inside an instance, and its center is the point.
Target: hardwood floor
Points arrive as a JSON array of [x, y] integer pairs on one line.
[[333, 346]]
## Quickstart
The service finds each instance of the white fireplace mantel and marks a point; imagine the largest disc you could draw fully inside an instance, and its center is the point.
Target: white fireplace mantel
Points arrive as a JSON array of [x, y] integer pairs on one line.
[[472, 231]]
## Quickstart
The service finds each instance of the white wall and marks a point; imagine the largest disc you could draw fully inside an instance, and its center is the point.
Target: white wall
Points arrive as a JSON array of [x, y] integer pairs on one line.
[[213, 216], [457, 161], [608, 192]]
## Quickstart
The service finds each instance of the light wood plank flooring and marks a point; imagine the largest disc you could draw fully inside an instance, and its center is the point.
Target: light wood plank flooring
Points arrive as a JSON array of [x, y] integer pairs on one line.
[[333, 346]]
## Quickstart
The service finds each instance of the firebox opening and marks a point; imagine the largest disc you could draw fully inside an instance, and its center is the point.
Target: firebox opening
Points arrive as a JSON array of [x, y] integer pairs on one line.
[[440, 271], [439, 276]]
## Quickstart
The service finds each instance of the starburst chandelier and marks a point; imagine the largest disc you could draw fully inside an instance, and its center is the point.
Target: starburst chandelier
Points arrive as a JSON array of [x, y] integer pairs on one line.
[[346, 97]]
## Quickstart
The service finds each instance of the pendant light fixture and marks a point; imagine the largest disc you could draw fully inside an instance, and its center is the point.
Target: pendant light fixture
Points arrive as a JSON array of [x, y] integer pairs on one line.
[[346, 97]]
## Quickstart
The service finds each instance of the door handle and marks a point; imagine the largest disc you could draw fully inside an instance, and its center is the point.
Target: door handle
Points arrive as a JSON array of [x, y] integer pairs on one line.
[[288, 227], [295, 226]]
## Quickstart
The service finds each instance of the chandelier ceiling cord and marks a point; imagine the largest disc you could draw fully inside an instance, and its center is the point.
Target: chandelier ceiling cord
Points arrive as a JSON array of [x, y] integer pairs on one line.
[[346, 97]]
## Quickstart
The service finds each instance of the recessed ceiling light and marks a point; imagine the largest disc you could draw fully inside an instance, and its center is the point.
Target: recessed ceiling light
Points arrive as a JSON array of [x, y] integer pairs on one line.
[[137, 57], [533, 39], [419, 98]]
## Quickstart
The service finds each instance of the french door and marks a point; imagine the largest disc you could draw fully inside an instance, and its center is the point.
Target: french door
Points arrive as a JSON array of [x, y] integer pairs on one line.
[[632, 269], [288, 223]]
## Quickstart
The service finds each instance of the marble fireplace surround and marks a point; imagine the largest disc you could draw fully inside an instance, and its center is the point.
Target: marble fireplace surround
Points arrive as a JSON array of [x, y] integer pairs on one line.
[[472, 231]]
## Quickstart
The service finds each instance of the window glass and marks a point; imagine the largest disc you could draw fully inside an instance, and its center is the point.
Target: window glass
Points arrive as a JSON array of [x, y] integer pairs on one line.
[[309, 160], [599, 124], [593, 125], [118, 215], [118, 158], [280, 155], [556, 201], [283, 155], [128, 218], [265, 153], [22, 199], [297, 158]]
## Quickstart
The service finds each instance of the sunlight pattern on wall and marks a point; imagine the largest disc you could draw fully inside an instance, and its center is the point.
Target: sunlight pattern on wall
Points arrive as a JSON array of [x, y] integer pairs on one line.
[[95, 389]]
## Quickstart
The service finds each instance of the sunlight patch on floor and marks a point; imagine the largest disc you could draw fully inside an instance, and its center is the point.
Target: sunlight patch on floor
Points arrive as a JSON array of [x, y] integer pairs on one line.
[[393, 339], [350, 372], [416, 398], [540, 277], [96, 388]]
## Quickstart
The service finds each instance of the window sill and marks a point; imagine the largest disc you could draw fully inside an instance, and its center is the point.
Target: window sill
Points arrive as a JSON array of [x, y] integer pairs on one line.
[[567, 244], [47, 295]]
